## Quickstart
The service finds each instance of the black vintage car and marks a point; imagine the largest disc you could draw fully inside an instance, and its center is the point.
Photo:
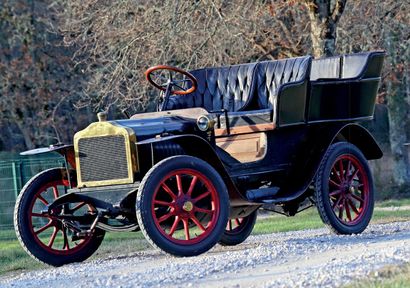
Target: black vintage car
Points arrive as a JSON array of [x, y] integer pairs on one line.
[[279, 135]]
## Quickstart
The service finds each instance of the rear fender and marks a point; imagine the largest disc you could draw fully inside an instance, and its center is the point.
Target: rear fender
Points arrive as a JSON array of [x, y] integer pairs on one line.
[[360, 137], [320, 139], [198, 147]]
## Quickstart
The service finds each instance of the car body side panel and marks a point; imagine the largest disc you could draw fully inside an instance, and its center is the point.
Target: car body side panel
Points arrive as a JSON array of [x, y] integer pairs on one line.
[[196, 146], [318, 142]]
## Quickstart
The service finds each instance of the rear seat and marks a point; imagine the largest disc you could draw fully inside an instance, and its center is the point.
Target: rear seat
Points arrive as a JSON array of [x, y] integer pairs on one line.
[[339, 67]]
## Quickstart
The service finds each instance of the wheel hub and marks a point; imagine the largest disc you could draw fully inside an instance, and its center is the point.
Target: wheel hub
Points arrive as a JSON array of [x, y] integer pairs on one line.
[[188, 206]]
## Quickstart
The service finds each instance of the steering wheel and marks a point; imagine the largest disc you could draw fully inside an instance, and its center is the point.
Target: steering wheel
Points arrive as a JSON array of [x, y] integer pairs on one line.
[[178, 80]]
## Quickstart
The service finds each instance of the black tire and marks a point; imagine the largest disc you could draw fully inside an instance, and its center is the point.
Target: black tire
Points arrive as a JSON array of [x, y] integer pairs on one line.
[[29, 204], [344, 189], [236, 235], [208, 193]]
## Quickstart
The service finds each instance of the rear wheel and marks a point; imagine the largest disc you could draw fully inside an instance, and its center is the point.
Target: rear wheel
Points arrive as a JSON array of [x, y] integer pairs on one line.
[[238, 229], [182, 206], [46, 237], [344, 189]]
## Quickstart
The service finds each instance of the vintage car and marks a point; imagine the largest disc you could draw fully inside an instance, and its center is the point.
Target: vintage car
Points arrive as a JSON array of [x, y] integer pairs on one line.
[[279, 135]]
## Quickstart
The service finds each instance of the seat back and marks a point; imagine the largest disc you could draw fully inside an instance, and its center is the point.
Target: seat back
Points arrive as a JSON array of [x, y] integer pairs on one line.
[[219, 88], [271, 75], [325, 68], [340, 67], [354, 64]]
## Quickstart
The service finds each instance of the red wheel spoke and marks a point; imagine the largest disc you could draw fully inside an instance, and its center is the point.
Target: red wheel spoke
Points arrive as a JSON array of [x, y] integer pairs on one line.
[[197, 223], [341, 208], [39, 215], [336, 204], [337, 174], [334, 193], [186, 229], [237, 221], [192, 185], [334, 183], [165, 217], [53, 237], [357, 198], [179, 184], [347, 210], [162, 203], [42, 199], [55, 192], [174, 226], [341, 169], [354, 175], [200, 197], [45, 227], [353, 206], [349, 166], [169, 191], [197, 209]]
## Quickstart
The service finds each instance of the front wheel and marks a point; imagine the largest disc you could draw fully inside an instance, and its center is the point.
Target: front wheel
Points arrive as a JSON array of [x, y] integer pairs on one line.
[[238, 229], [182, 206], [344, 189], [49, 238]]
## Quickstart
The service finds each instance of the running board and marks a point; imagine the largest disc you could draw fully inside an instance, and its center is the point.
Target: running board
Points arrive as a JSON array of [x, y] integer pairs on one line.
[[261, 193]]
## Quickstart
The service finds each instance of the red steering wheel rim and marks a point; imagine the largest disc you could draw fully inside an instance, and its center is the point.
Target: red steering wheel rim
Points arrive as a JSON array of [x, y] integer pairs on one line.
[[191, 77]]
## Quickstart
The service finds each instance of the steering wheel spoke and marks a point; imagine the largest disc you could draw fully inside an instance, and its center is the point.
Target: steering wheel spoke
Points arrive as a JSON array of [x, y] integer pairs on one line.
[[183, 89], [155, 72]]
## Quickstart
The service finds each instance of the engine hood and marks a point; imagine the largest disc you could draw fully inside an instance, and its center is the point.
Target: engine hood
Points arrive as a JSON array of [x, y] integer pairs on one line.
[[151, 127]]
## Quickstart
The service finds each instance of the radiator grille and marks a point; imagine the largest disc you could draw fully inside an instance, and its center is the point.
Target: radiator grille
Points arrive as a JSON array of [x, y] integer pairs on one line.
[[103, 158]]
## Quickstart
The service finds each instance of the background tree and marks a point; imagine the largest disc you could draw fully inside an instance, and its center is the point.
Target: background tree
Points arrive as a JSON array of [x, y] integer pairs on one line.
[[60, 56], [38, 84], [324, 16]]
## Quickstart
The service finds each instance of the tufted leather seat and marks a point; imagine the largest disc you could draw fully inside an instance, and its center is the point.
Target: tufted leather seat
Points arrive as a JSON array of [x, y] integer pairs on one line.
[[239, 89], [228, 88], [272, 75]]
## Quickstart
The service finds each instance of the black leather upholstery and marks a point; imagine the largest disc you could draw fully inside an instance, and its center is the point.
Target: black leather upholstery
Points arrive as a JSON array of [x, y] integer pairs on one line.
[[228, 88], [339, 67], [325, 68], [233, 87], [271, 75], [354, 64]]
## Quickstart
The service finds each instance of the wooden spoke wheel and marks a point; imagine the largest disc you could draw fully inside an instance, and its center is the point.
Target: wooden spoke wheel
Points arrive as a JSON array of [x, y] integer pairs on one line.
[[182, 206], [238, 229], [45, 236], [344, 189]]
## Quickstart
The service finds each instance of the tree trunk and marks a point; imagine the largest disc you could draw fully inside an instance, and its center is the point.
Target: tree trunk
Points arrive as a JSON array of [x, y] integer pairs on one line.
[[324, 15], [398, 111]]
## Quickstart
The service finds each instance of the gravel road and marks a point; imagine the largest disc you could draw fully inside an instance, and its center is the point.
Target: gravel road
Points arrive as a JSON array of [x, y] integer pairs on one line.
[[308, 258]]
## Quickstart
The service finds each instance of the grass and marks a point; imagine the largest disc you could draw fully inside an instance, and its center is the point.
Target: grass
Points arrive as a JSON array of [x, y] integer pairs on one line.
[[387, 277], [14, 259], [394, 203]]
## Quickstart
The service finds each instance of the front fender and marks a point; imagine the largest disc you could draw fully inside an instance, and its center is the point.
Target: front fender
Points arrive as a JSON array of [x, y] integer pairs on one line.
[[66, 151], [196, 146]]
